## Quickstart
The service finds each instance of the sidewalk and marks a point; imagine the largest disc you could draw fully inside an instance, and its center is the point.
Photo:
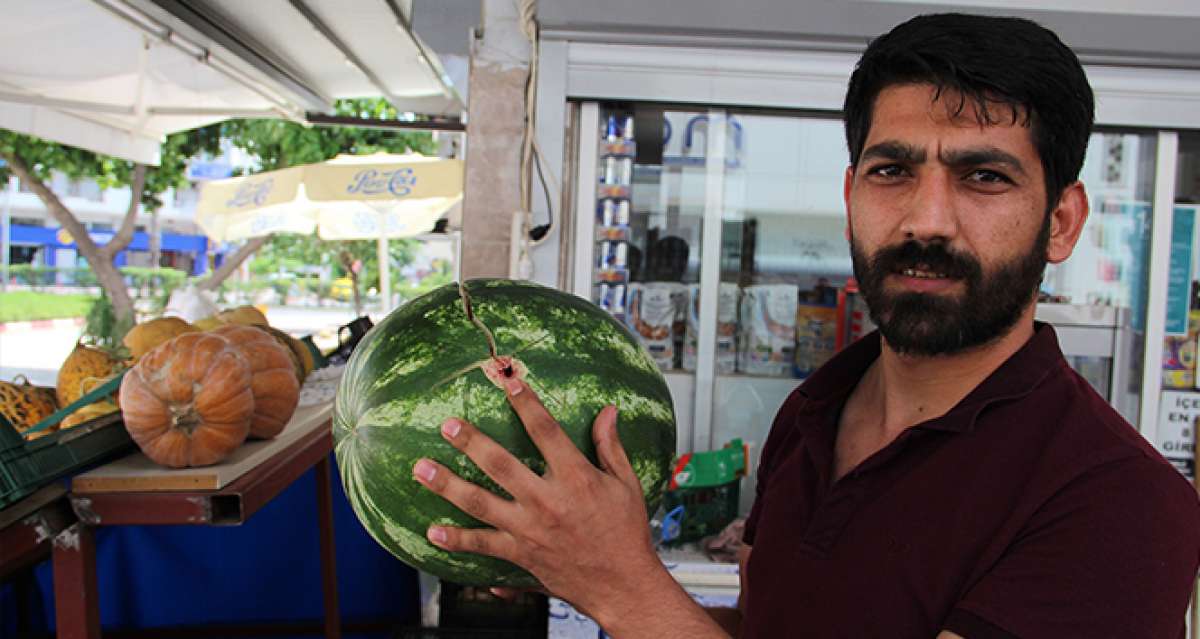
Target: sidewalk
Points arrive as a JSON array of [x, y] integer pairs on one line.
[[34, 325], [36, 349]]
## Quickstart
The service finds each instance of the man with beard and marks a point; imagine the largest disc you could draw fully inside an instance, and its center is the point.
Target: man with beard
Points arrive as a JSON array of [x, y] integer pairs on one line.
[[947, 476]]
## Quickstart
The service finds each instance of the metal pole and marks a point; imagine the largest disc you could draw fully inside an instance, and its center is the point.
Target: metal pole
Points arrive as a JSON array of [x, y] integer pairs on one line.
[[385, 279], [6, 231]]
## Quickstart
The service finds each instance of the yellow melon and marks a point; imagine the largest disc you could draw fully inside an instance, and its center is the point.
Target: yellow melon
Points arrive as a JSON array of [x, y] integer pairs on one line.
[[24, 405], [245, 315], [87, 414], [208, 323], [83, 366], [293, 350], [145, 337]]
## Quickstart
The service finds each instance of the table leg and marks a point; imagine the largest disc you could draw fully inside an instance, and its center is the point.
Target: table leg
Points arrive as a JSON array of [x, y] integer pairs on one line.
[[333, 626], [76, 597]]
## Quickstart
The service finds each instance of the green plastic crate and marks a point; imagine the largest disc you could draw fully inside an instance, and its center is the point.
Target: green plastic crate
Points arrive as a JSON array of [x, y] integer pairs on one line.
[[26, 466], [705, 510]]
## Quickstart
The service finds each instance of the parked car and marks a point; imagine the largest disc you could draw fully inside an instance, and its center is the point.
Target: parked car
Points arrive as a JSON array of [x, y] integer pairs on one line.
[[342, 289]]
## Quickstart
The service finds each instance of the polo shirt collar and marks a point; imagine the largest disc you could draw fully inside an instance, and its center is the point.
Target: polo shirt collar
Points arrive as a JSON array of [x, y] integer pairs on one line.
[[1017, 376]]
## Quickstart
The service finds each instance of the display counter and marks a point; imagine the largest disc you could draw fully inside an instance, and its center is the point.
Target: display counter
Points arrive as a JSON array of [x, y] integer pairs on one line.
[[132, 491]]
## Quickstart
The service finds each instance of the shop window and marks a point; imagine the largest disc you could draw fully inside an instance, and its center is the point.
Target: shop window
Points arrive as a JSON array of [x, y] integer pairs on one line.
[[18, 254], [1175, 433]]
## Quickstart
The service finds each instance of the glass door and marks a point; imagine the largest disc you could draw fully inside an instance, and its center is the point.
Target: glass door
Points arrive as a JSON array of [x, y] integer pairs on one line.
[[718, 237], [1097, 299], [785, 265], [640, 230], [785, 275], [1174, 434]]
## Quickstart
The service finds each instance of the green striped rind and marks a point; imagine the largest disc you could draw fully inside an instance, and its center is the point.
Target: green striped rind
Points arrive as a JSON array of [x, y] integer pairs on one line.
[[418, 367]]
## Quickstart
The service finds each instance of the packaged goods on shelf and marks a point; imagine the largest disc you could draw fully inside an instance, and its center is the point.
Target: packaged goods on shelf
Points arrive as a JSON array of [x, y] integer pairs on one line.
[[816, 335], [650, 314], [611, 213], [854, 318], [611, 298], [613, 255], [1179, 356], [618, 129], [679, 299], [618, 171], [768, 329], [727, 328]]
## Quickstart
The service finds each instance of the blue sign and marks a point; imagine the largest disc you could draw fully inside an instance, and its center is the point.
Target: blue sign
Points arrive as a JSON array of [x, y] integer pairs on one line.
[[201, 171], [1179, 274], [399, 182]]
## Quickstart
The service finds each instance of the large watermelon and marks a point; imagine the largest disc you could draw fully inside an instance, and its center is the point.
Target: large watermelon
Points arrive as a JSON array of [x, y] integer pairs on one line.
[[426, 362]]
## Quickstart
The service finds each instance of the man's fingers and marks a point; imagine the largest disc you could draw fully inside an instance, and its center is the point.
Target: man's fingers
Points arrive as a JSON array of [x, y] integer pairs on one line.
[[543, 429], [608, 446], [492, 458], [508, 593], [475, 501], [481, 541]]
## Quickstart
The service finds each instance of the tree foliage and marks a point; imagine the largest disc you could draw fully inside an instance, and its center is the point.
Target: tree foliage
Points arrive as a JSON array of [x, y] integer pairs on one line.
[[278, 144], [45, 158], [294, 253], [36, 161]]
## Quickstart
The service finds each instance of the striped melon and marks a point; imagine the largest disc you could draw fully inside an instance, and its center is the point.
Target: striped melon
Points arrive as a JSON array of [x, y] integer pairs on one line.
[[425, 362]]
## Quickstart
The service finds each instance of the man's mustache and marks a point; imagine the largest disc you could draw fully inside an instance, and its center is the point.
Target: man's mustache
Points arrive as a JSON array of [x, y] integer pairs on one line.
[[928, 256]]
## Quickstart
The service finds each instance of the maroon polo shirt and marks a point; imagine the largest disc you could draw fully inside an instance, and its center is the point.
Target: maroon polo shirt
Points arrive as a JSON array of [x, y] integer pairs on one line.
[[1030, 509]]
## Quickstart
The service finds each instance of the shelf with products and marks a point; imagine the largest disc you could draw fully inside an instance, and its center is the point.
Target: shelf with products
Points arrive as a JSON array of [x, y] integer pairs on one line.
[[613, 191], [612, 237], [612, 275], [753, 339], [619, 148], [613, 233]]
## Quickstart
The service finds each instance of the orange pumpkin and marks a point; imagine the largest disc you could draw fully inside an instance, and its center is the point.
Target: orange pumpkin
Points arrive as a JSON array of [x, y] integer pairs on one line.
[[188, 402], [273, 378]]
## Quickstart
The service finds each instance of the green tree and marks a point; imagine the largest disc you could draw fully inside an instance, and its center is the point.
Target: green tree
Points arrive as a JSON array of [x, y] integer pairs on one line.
[[279, 144], [291, 253], [34, 161]]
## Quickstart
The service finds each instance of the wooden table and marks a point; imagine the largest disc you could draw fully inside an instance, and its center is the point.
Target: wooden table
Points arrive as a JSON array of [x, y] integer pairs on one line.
[[135, 491], [29, 526], [27, 532]]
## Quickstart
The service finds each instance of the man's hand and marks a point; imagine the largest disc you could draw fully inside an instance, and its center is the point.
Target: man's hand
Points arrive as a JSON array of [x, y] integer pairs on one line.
[[581, 530]]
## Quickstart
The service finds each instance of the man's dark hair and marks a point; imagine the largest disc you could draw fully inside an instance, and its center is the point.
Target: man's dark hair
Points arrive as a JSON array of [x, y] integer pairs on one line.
[[990, 62]]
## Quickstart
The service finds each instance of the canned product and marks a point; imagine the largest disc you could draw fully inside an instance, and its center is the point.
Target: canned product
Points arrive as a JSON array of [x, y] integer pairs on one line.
[[617, 301], [612, 131], [606, 254], [608, 212], [621, 216], [624, 171], [602, 297], [620, 260], [627, 128], [611, 170]]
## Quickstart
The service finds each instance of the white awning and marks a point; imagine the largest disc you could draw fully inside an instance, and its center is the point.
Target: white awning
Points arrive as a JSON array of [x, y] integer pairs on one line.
[[115, 76]]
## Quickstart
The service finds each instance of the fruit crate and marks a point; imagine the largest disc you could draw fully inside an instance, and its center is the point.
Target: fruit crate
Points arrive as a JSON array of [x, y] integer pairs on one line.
[[702, 511], [26, 465]]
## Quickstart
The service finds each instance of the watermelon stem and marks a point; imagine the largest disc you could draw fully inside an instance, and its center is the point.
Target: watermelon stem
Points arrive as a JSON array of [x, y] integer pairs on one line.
[[466, 298]]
